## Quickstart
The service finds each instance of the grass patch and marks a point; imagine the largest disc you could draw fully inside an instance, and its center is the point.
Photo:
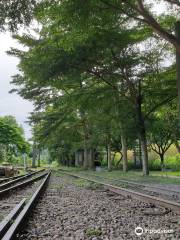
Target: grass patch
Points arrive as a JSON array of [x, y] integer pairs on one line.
[[80, 182], [57, 186], [93, 186], [71, 180], [136, 176], [90, 232]]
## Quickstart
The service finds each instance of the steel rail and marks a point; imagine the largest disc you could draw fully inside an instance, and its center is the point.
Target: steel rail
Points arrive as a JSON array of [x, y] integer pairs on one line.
[[25, 183], [7, 221], [11, 178], [134, 183], [5, 185], [136, 195], [15, 177], [19, 222]]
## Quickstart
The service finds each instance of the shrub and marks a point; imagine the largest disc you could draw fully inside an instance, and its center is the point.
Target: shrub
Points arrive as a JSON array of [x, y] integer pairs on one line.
[[173, 162]]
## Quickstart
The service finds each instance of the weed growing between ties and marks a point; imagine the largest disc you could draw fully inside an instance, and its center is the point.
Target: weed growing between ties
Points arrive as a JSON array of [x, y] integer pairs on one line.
[[90, 232], [57, 186], [94, 186]]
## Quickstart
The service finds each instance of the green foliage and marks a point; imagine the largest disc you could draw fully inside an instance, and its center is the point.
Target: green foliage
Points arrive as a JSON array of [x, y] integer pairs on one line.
[[164, 130], [95, 73], [15, 13], [93, 232], [12, 141], [154, 165], [173, 163]]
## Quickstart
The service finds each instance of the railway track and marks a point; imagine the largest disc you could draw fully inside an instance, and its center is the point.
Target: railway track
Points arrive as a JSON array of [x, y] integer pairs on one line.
[[14, 220], [8, 190], [14, 180], [172, 205], [76, 209], [4, 180], [170, 194], [10, 178], [13, 192], [13, 223]]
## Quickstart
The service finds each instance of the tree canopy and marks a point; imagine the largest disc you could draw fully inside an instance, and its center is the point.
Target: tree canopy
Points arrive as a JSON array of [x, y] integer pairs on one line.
[[12, 138], [97, 74]]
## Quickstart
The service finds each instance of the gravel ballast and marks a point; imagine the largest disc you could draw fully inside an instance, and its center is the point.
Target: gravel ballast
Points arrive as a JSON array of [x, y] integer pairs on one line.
[[72, 209]]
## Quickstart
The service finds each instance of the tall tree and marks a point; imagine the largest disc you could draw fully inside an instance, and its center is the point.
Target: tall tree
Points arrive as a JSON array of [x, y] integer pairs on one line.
[[11, 137], [97, 48], [163, 24]]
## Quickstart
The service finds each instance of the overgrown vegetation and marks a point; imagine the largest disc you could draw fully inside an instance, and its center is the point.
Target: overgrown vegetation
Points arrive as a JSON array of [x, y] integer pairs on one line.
[[93, 232]]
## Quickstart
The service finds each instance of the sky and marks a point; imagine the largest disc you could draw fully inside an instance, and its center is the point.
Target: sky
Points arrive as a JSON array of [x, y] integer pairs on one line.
[[11, 104]]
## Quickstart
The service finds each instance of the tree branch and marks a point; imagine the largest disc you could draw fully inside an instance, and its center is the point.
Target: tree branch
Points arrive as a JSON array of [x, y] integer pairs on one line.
[[156, 26], [175, 2], [159, 105]]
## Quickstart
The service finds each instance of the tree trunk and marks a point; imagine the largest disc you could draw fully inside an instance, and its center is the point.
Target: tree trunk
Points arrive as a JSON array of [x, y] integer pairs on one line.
[[72, 160], [34, 157], [162, 159], [118, 162], [177, 32], [143, 140], [39, 158], [144, 152], [91, 158], [140, 153], [124, 152], [142, 132], [106, 153], [85, 162], [109, 156], [86, 136], [62, 158], [134, 157]]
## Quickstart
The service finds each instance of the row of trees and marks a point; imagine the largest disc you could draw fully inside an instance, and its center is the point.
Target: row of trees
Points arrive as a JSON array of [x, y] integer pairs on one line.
[[101, 78], [12, 140]]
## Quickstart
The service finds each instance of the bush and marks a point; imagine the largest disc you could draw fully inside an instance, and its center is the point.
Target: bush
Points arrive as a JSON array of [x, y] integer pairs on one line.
[[104, 163], [173, 163], [170, 162], [154, 164]]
